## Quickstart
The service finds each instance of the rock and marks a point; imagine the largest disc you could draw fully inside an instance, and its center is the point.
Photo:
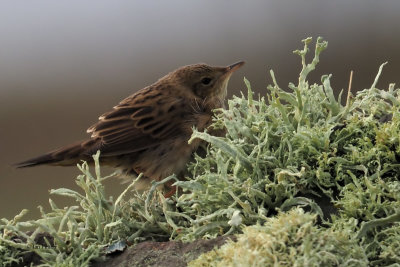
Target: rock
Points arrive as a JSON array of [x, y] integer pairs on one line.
[[172, 253]]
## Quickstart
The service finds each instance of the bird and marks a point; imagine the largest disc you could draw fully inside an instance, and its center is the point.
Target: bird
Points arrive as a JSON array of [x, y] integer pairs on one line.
[[148, 131]]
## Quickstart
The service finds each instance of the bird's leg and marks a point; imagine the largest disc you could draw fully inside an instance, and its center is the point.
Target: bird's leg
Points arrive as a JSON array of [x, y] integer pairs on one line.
[[171, 189], [170, 192]]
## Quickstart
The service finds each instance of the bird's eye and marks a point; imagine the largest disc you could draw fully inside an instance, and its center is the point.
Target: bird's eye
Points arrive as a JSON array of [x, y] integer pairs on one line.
[[206, 81]]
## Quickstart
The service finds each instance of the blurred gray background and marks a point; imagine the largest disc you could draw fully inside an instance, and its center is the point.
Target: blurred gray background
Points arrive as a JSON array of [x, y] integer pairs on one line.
[[64, 63]]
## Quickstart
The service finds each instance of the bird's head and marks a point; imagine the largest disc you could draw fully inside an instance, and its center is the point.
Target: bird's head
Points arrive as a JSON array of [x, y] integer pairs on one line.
[[204, 81]]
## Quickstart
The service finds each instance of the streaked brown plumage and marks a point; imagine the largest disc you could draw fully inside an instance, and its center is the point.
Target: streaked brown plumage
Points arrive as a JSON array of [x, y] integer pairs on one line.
[[149, 131]]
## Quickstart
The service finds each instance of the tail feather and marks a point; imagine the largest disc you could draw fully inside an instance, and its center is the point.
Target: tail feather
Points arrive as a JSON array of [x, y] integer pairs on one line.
[[65, 156]]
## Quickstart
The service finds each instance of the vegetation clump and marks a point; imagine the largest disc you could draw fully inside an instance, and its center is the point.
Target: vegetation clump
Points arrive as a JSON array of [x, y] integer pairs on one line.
[[290, 239], [302, 178]]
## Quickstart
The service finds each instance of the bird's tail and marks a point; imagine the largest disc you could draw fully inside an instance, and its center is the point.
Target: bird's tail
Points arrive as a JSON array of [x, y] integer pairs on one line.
[[65, 156]]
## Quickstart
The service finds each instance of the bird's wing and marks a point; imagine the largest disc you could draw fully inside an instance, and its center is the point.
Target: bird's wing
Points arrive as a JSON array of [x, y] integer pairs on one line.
[[140, 121]]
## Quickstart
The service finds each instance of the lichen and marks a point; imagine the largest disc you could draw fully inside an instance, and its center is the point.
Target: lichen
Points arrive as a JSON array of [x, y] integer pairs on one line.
[[288, 239]]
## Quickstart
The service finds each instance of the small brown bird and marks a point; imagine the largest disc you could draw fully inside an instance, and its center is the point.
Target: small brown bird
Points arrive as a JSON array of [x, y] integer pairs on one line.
[[148, 132]]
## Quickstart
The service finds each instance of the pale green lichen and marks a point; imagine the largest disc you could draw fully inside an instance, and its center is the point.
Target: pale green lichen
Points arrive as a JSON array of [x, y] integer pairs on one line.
[[299, 147], [303, 142], [289, 239]]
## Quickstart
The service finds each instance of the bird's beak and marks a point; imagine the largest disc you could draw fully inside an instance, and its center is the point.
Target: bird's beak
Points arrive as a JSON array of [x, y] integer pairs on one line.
[[235, 66]]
